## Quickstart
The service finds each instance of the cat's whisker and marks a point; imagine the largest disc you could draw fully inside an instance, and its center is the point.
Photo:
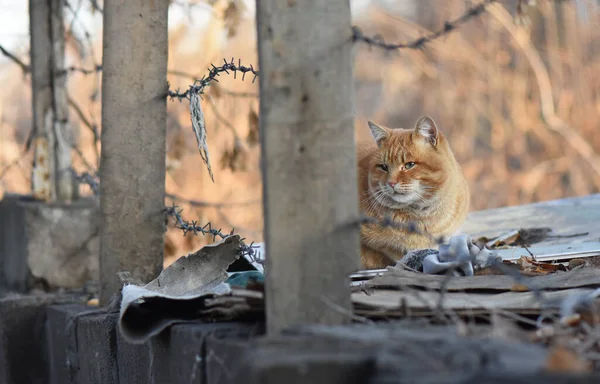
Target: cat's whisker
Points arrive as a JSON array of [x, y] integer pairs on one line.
[[374, 200]]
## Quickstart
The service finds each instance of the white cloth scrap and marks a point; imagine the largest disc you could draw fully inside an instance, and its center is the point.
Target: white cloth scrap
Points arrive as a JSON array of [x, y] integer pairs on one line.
[[460, 255]]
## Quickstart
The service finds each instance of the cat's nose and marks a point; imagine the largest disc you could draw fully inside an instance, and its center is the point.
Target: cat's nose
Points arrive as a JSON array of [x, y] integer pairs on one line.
[[392, 184]]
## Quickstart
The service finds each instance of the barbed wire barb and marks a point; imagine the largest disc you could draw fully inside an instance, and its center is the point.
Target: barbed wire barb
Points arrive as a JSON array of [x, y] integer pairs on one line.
[[200, 84], [208, 230]]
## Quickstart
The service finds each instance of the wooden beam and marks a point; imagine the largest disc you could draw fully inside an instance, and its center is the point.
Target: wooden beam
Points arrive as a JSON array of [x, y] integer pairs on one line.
[[51, 177], [132, 171], [308, 159]]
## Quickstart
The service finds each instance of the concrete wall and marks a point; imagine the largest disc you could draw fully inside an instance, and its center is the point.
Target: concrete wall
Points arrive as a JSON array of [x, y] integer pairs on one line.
[[54, 245], [58, 340]]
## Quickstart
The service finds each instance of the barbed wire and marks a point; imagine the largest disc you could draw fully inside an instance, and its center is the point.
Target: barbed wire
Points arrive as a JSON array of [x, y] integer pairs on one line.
[[408, 227], [449, 26], [207, 230], [96, 69], [176, 72], [198, 86]]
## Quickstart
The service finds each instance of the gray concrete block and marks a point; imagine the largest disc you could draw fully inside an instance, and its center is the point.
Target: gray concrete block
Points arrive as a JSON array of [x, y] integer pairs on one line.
[[61, 335], [287, 359], [187, 351], [160, 358], [175, 355], [134, 361], [23, 343], [97, 348], [57, 244], [14, 274]]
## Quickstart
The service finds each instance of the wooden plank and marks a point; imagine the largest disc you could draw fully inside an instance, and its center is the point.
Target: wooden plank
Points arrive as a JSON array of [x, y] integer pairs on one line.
[[61, 129], [134, 112], [511, 301], [308, 159], [43, 171], [51, 179], [565, 217], [553, 252], [396, 277]]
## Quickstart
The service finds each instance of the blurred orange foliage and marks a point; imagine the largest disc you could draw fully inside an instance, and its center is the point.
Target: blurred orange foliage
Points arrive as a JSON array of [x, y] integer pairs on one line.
[[484, 84]]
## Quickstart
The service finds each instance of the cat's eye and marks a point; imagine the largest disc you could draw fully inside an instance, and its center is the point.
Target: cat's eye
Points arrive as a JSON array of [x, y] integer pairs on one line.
[[409, 165], [383, 167]]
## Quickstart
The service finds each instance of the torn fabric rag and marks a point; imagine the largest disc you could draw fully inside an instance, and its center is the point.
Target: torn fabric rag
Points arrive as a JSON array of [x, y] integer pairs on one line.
[[460, 255]]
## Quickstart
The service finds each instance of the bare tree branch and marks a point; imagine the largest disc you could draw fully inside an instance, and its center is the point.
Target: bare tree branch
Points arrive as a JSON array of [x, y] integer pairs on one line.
[[24, 67]]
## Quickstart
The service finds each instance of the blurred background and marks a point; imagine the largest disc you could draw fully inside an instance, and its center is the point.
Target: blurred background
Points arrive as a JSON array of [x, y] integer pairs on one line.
[[516, 91]]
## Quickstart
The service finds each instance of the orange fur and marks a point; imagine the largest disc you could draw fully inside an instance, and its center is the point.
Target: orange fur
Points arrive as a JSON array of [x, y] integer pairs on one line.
[[431, 194]]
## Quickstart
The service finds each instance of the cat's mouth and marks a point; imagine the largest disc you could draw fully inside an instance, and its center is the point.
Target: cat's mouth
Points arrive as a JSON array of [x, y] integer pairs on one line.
[[401, 194], [409, 193], [401, 190]]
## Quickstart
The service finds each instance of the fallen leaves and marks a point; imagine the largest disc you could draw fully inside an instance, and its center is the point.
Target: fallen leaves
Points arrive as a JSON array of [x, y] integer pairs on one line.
[[529, 267], [526, 265], [522, 237]]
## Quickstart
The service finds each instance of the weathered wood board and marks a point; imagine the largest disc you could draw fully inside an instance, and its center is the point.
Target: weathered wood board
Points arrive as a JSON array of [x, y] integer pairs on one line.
[[567, 216], [398, 278], [509, 301]]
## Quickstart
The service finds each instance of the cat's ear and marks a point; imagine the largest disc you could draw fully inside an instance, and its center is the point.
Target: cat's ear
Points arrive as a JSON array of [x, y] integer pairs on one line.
[[426, 128], [379, 133]]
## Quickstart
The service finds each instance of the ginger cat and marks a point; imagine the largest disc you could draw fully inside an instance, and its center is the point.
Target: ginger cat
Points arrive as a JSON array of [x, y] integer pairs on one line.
[[412, 177]]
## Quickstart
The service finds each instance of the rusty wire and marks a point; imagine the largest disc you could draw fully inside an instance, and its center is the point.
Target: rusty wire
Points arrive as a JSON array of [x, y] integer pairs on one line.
[[198, 87], [420, 43]]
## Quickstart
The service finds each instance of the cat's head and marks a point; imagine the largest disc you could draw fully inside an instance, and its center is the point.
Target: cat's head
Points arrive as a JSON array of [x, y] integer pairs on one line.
[[410, 164]]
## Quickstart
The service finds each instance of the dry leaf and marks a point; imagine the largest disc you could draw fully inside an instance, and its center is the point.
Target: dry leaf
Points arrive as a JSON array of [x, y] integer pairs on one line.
[[93, 302], [232, 16], [563, 359], [528, 236], [252, 138], [236, 158], [571, 320], [488, 271], [517, 237], [577, 263], [528, 266], [504, 239], [517, 287]]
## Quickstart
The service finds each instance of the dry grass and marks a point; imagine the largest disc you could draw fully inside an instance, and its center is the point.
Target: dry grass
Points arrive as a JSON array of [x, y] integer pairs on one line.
[[519, 104]]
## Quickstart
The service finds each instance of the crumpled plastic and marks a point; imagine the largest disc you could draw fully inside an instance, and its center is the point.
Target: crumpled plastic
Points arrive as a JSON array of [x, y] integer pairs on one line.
[[179, 292], [460, 255]]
